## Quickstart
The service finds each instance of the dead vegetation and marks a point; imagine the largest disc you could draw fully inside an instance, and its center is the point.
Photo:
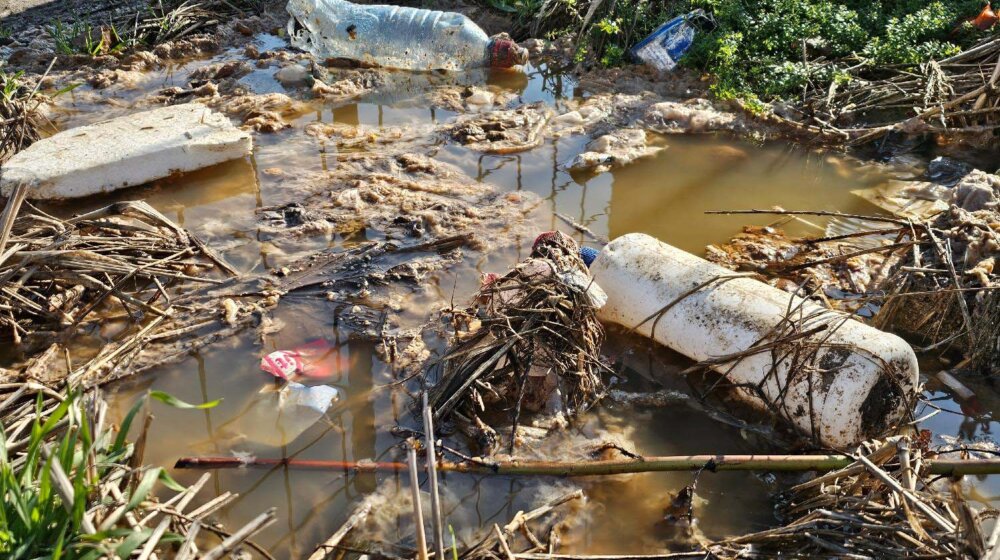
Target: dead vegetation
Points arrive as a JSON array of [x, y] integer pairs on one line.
[[883, 505], [530, 535], [532, 338], [124, 267], [945, 289], [59, 277], [20, 119], [931, 277], [176, 19], [833, 268], [955, 96]]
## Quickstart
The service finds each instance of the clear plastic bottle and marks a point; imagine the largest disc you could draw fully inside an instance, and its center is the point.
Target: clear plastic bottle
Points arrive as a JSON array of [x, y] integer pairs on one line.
[[397, 37]]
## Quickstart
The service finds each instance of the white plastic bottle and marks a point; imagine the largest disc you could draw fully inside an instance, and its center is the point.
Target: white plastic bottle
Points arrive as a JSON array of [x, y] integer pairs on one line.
[[397, 37], [854, 382]]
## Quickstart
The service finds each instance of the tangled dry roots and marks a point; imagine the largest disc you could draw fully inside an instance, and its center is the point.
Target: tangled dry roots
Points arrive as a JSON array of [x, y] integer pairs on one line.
[[535, 337], [885, 505], [945, 291], [19, 125]]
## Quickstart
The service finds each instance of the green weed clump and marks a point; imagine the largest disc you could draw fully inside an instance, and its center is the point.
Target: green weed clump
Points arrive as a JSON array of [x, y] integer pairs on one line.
[[771, 49], [83, 38], [54, 501]]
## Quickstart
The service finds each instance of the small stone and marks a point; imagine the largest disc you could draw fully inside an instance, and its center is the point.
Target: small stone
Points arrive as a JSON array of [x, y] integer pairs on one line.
[[231, 311], [243, 29], [480, 97], [292, 75], [534, 46]]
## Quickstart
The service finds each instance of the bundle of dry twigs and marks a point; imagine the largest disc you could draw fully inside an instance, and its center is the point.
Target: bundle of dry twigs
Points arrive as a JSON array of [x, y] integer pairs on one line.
[[534, 334], [944, 289], [58, 277], [955, 95], [883, 505], [20, 120]]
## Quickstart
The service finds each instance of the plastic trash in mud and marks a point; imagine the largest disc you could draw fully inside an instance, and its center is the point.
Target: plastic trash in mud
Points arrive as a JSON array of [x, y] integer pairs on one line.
[[278, 416], [983, 21], [531, 344], [316, 359], [397, 37], [665, 46], [834, 378], [588, 254]]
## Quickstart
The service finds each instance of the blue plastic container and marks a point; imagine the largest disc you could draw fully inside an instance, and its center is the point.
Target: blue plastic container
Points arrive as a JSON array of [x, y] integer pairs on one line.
[[664, 47]]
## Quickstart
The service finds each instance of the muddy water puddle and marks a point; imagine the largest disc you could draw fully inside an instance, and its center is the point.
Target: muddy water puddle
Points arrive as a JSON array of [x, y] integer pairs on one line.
[[665, 195]]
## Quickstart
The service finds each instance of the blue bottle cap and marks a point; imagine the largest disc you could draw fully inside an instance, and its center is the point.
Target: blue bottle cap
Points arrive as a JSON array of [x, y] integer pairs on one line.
[[588, 254]]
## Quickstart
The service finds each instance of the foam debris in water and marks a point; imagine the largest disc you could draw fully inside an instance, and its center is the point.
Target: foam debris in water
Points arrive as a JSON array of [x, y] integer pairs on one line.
[[125, 152]]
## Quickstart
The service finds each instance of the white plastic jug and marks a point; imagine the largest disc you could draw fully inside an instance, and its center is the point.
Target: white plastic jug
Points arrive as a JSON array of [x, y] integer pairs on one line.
[[858, 382]]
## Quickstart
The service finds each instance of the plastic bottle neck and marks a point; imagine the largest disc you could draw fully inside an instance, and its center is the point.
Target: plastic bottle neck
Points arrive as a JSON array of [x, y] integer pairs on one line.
[[503, 52]]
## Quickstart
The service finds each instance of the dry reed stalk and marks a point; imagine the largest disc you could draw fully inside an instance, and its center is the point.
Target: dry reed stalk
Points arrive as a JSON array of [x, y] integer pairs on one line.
[[418, 510], [356, 518], [230, 543], [432, 477]]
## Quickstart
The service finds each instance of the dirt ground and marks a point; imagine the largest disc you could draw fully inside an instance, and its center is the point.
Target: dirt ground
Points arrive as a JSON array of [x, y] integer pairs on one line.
[[18, 14]]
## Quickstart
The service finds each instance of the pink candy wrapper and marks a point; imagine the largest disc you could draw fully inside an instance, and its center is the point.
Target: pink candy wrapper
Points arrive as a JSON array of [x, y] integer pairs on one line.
[[316, 359]]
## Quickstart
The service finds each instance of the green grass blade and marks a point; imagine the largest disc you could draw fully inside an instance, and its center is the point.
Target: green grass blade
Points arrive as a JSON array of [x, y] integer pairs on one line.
[[168, 399]]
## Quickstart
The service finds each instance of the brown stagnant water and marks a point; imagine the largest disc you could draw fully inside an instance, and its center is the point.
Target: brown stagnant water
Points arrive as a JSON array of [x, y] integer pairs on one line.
[[665, 195]]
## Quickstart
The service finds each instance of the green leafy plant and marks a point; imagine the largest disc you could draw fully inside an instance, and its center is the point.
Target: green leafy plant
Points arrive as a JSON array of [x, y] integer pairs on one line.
[[764, 49], [84, 38], [11, 84], [90, 45], [63, 35], [48, 490]]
